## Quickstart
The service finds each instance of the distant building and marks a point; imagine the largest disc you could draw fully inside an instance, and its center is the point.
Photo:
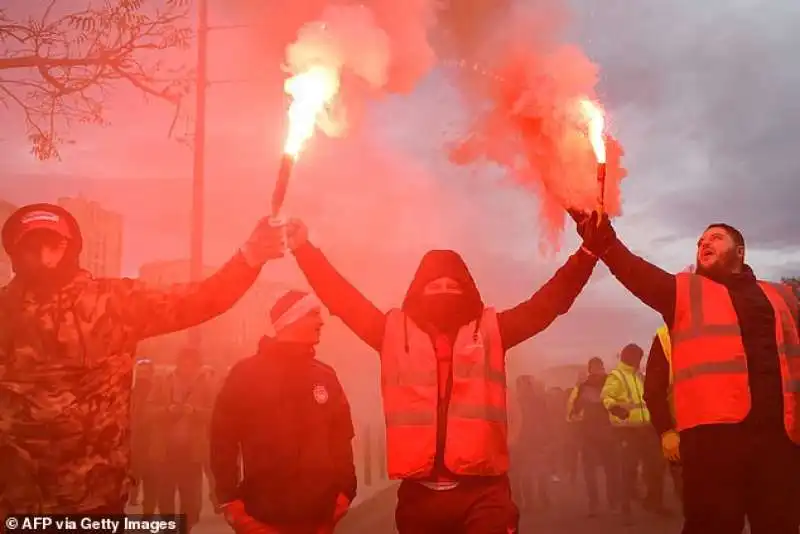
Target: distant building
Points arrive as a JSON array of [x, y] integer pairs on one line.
[[102, 236], [225, 339], [6, 209]]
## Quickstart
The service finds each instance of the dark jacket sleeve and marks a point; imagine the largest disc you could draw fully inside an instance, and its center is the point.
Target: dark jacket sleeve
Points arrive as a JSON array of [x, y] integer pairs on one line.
[[225, 437], [342, 444], [650, 284], [153, 311], [656, 388], [340, 297], [555, 298]]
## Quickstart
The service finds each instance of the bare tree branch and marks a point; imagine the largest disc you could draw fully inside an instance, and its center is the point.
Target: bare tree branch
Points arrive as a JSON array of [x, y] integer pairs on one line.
[[60, 69]]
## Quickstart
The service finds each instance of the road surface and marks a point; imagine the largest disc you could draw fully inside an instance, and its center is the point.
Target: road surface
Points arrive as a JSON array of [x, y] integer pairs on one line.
[[566, 516]]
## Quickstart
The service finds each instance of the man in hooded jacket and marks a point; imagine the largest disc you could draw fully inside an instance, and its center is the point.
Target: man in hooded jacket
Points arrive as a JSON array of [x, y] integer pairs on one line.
[[67, 346], [299, 474], [444, 382]]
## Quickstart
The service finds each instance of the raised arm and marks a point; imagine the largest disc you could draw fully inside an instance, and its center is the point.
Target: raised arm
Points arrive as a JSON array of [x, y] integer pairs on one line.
[[650, 284], [339, 296], [555, 298], [153, 311]]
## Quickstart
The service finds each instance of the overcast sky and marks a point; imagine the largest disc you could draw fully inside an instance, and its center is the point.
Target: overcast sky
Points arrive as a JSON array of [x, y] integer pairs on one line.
[[704, 97]]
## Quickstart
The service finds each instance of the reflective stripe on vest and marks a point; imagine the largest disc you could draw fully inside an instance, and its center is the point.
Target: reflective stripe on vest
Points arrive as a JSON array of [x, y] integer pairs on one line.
[[708, 357], [477, 432], [635, 395]]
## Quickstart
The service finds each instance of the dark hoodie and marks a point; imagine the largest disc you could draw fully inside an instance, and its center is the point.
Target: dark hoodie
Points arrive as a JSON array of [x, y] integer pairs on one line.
[[657, 289], [295, 444], [516, 324], [589, 402], [442, 313]]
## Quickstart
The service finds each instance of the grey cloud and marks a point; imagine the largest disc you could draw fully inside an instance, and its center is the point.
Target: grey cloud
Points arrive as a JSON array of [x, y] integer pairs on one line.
[[717, 79]]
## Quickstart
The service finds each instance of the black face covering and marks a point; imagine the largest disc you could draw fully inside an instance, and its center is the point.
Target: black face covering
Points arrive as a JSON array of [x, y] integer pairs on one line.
[[45, 279], [444, 311]]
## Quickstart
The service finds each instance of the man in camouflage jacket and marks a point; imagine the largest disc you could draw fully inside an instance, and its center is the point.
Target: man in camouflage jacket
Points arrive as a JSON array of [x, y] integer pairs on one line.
[[67, 346]]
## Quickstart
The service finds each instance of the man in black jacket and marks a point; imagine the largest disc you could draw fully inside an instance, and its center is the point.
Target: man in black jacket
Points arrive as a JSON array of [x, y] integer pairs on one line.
[[598, 446], [736, 389], [288, 414]]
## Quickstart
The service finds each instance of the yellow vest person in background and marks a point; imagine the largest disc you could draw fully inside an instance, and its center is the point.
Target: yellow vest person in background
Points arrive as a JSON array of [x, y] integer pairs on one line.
[[623, 397], [623, 392], [670, 440]]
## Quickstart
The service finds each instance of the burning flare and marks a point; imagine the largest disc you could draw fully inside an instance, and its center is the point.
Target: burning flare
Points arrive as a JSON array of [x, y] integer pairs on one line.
[[597, 123], [312, 91]]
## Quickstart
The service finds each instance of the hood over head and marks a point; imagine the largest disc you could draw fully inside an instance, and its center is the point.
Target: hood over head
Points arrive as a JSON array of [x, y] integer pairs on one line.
[[444, 312]]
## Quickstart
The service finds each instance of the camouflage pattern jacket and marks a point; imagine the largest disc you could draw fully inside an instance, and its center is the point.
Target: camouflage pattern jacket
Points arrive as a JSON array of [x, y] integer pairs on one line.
[[66, 367]]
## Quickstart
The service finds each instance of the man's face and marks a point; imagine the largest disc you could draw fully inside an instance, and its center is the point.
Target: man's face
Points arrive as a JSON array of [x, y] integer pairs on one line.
[[632, 355], [597, 368], [39, 251], [443, 286], [306, 330], [717, 252]]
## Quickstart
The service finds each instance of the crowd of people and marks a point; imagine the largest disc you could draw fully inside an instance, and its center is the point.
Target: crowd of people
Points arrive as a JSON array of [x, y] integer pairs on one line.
[[719, 396], [170, 415], [598, 430]]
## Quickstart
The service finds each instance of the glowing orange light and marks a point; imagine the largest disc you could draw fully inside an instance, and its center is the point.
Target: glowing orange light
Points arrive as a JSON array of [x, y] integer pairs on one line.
[[311, 92], [596, 123]]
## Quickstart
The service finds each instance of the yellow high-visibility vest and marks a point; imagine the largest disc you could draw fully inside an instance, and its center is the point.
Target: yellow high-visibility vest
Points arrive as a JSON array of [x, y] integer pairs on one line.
[[666, 345]]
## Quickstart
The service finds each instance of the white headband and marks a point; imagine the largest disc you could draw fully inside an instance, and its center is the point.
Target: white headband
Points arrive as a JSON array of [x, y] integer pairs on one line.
[[296, 311]]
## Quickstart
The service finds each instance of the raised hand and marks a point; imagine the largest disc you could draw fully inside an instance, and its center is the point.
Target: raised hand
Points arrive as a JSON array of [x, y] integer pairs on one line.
[[596, 231], [265, 243], [296, 234]]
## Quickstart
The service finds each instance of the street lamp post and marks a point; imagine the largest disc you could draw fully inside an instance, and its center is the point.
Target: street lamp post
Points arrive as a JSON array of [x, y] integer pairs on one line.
[[198, 164]]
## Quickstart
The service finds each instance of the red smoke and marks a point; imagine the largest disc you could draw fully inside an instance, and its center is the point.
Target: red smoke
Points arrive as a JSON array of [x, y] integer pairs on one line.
[[523, 85], [520, 79]]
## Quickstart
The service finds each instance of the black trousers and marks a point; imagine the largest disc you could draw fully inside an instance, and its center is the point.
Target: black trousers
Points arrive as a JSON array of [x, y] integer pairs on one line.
[[638, 445], [481, 505], [599, 452], [147, 487], [735, 471]]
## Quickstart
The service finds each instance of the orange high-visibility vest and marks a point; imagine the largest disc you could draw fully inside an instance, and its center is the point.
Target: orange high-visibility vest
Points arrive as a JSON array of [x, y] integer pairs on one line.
[[477, 429], [708, 357]]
